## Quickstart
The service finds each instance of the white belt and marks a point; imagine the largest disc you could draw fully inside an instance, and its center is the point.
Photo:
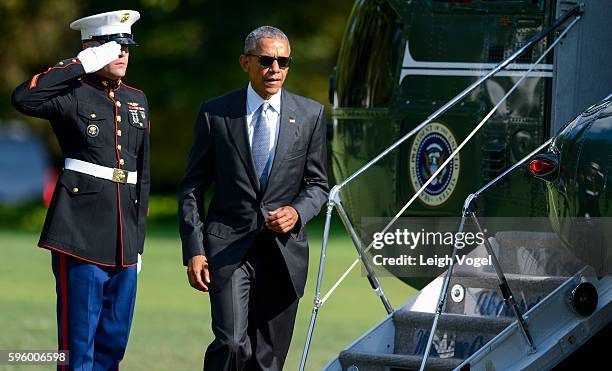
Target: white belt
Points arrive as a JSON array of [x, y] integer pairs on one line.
[[109, 173]]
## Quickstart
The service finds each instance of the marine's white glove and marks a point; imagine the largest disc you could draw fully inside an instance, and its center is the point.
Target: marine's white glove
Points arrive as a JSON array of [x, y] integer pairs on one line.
[[139, 265], [96, 57]]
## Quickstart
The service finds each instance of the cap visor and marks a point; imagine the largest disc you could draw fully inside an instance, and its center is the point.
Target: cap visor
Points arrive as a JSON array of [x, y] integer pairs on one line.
[[125, 41]]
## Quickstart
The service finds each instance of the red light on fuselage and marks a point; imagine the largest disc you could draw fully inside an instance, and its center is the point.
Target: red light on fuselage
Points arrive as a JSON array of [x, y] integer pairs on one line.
[[541, 166]]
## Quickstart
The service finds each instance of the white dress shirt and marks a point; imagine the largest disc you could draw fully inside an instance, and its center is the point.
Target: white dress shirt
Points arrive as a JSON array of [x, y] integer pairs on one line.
[[254, 101]]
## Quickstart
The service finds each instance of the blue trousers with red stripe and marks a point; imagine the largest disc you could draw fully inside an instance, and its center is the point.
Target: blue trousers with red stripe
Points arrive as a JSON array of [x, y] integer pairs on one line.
[[94, 312]]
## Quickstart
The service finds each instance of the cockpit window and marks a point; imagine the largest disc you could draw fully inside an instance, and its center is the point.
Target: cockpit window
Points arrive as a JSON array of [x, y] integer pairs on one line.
[[370, 56]]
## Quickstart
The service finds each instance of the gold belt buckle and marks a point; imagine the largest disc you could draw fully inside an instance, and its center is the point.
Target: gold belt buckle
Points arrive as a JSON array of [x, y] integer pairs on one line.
[[119, 176]]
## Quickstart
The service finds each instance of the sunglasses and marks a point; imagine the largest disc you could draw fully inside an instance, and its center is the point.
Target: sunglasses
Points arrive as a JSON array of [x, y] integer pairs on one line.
[[267, 61]]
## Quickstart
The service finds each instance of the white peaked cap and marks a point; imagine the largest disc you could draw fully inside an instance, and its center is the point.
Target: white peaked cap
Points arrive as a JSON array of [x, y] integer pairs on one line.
[[109, 23]]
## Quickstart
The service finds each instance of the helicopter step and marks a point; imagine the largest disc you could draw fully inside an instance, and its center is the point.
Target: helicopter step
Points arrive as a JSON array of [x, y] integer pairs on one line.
[[458, 337], [473, 293], [490, 281], [561, 323], [359, 361], [475, 314]]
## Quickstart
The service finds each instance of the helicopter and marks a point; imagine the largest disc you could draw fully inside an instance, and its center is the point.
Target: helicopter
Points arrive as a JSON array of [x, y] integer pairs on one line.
[[401, 60], [532, 74]]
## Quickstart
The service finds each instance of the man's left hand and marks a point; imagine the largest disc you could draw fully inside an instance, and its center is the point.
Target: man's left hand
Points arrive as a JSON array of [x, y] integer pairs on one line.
[[282, 219]]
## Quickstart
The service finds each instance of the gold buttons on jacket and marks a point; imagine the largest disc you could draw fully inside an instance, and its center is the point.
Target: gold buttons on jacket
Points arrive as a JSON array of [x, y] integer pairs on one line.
[[73, 60], [93, 115], [119, 133], [118, 118], [61, 63], [119, 147], [118, 104], [105, 83], [121, 161], [111, 94], [75, 190]]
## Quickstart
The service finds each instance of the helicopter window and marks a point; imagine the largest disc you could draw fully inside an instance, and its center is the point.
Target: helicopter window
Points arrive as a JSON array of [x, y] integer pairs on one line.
[[369, 57], [496, 53], [526, 58]]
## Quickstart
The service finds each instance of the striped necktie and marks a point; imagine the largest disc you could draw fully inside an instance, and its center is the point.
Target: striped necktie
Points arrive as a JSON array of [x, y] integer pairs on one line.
[[260, 146]]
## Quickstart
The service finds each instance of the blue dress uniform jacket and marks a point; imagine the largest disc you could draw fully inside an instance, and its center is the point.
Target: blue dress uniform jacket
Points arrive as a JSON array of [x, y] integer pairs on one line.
[[104, 123]]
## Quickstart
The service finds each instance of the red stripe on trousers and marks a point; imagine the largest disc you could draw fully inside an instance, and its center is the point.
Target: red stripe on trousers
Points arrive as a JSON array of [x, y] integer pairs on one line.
[[64, 298]]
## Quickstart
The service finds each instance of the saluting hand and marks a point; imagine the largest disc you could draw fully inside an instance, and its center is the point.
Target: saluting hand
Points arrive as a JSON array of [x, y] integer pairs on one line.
[[197, 273], [94, 58], [282, 219]]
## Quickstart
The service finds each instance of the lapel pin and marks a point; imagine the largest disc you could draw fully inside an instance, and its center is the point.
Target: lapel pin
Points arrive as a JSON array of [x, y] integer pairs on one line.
[[291, 120]]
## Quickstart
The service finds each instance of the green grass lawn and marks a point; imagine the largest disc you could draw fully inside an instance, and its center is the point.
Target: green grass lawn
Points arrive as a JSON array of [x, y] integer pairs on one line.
[[171, 327]]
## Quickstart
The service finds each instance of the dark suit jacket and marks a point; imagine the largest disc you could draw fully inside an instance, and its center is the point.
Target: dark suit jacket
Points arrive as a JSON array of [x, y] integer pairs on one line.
[[221, 155]]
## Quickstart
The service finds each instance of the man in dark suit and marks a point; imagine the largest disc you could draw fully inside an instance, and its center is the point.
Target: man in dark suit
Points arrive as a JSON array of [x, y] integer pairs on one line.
[[264, 149]]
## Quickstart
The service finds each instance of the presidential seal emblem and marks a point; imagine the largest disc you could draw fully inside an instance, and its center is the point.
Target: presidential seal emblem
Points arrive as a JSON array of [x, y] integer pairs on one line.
[[92, 130], [431, 147]]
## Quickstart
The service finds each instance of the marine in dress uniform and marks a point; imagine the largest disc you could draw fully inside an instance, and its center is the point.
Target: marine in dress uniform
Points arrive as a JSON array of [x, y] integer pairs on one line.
[[264, 149], [95, 225]]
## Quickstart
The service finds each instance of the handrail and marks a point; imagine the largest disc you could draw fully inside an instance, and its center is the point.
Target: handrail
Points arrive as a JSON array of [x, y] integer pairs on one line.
[[468, 209], [334, 199]]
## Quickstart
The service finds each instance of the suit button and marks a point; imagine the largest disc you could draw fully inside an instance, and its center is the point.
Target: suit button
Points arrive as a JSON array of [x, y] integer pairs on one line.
[[119, 133], [118, 118], [119, 147], [75, 190], [118, 104], [111, 94]]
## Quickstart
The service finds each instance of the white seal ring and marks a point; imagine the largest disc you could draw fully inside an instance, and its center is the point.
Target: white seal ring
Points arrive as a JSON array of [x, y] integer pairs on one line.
[[431, 147]]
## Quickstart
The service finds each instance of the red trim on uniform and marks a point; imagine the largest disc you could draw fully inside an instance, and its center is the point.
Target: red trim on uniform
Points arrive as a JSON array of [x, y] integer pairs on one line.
[[118, 189], [64, 299], [129, 87], [149, 128], [34, 81], [35, 78], [62, 67], [45, 246]]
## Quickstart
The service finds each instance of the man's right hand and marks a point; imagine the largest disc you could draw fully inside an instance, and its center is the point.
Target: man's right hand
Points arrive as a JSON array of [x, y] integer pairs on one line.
[[94, 58], [197, 273]]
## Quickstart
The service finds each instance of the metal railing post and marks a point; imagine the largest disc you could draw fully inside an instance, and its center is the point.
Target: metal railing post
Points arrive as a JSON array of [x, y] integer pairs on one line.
[[333, 195]]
